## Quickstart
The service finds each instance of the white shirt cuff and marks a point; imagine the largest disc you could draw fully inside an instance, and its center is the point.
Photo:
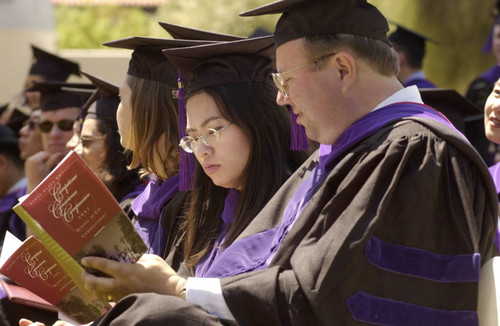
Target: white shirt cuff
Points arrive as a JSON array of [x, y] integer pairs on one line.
[[207, 292]]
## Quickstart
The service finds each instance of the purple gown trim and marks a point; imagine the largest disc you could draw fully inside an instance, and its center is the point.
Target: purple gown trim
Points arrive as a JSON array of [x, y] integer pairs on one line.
[[420, 83], [368, 308], [495, 175], [207, 265], [256, 251], [148, 208], [491, 75], [422, 263]]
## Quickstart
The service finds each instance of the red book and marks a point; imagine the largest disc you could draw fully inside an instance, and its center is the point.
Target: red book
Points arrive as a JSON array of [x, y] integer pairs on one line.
[[74, 215]]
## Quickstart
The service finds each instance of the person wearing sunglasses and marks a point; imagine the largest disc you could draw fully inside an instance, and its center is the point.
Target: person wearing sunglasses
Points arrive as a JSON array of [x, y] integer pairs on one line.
[[30, 137], [60, 106]]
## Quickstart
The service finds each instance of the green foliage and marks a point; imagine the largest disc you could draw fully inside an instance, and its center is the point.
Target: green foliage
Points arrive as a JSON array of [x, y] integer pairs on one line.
[[89, 27], [216, 15]]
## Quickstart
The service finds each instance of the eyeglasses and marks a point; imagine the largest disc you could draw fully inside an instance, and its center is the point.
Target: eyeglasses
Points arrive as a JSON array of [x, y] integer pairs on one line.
[[190, 144], [88, 140], [279, 81], [31, 124], [64, 125]]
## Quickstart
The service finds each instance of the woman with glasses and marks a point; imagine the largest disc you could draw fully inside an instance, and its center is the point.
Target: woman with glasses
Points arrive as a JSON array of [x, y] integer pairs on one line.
[[241, 141], [97, 142]]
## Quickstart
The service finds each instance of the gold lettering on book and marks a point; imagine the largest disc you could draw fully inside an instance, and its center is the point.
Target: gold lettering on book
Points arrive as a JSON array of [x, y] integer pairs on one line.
[[62, 206], [36, 267]]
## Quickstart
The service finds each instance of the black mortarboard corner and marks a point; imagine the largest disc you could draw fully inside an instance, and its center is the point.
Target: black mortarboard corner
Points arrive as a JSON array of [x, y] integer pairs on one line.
[[412, 41], [51, 66], [461, 112], [147, 60], [106, 100], [60, 95], [187, 33], [303, 18]]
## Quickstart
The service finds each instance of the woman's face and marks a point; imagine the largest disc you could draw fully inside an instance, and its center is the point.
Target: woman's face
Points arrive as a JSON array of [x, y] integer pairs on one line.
[[492, 115], [124, 115], [91, 146], [223, 160]]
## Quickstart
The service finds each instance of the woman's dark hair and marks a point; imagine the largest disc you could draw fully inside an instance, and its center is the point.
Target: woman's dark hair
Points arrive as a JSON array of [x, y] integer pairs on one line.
[[116, 176], [251, 107]]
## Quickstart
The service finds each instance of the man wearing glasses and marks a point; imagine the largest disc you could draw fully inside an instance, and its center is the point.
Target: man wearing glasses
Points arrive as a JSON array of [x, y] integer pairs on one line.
[[388, 223]]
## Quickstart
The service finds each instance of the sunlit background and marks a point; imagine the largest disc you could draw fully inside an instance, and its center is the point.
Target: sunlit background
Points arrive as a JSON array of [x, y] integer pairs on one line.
[[76, 29]]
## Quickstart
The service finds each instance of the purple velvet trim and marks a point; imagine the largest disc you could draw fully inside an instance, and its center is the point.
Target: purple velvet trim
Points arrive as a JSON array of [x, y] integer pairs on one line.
[[374, 121], [420, 83], [298, 135], [187, 163], [495, 175], [491, 75], [139, 189], [150, 202], [208, 265], [256, 251], [422, 263], [8, 201], [16, 225], [152, 232], [368, 308]]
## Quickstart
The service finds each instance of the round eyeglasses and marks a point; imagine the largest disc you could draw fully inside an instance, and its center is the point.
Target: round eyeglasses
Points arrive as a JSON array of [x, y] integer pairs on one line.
[[190, 144]]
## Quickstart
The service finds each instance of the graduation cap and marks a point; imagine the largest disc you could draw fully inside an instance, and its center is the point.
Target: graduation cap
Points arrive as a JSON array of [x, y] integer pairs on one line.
[[8, 139], [462, 113], [59, 95], [147, 60], [239, 61], [187, 33], [303, 18], [106, 100], [51, 66], [410, 40]]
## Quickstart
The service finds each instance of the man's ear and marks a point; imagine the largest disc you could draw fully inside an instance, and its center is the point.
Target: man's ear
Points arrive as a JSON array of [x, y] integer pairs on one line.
[[345, 65]]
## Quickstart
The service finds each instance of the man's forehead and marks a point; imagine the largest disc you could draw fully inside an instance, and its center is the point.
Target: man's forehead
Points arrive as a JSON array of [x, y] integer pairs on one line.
[[63, 112]]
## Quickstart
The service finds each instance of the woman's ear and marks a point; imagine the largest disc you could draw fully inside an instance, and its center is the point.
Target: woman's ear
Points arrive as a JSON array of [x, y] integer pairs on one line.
[[345, 64]]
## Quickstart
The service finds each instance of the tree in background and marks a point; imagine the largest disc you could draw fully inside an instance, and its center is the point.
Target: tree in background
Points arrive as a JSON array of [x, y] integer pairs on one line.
[[461, 27], [89, 26]]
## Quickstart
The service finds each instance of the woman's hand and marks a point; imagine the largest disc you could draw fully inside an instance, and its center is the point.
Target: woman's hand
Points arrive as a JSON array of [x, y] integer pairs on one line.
[[150, 274]]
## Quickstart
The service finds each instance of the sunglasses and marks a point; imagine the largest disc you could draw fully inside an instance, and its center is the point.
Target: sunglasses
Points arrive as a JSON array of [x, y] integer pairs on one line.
[[64, 125]]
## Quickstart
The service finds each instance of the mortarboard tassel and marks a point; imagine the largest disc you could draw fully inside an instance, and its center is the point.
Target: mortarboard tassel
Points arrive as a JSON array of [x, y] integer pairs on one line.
[[298, 140], [187, 163]]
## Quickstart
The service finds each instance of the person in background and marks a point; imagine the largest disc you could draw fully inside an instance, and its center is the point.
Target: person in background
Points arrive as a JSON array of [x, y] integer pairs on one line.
[[97, 142], [387, 223], [13, 186], [46, 67], [410, 47], [59, 107], [30, 137], [480, 88]]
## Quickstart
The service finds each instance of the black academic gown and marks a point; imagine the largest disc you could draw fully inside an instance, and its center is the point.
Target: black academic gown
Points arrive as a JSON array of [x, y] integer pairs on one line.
[[414, 185]]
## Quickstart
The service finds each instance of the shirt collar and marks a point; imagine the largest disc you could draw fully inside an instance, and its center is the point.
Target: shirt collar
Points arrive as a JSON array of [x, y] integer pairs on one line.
[[18, 186], [407, 94]]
